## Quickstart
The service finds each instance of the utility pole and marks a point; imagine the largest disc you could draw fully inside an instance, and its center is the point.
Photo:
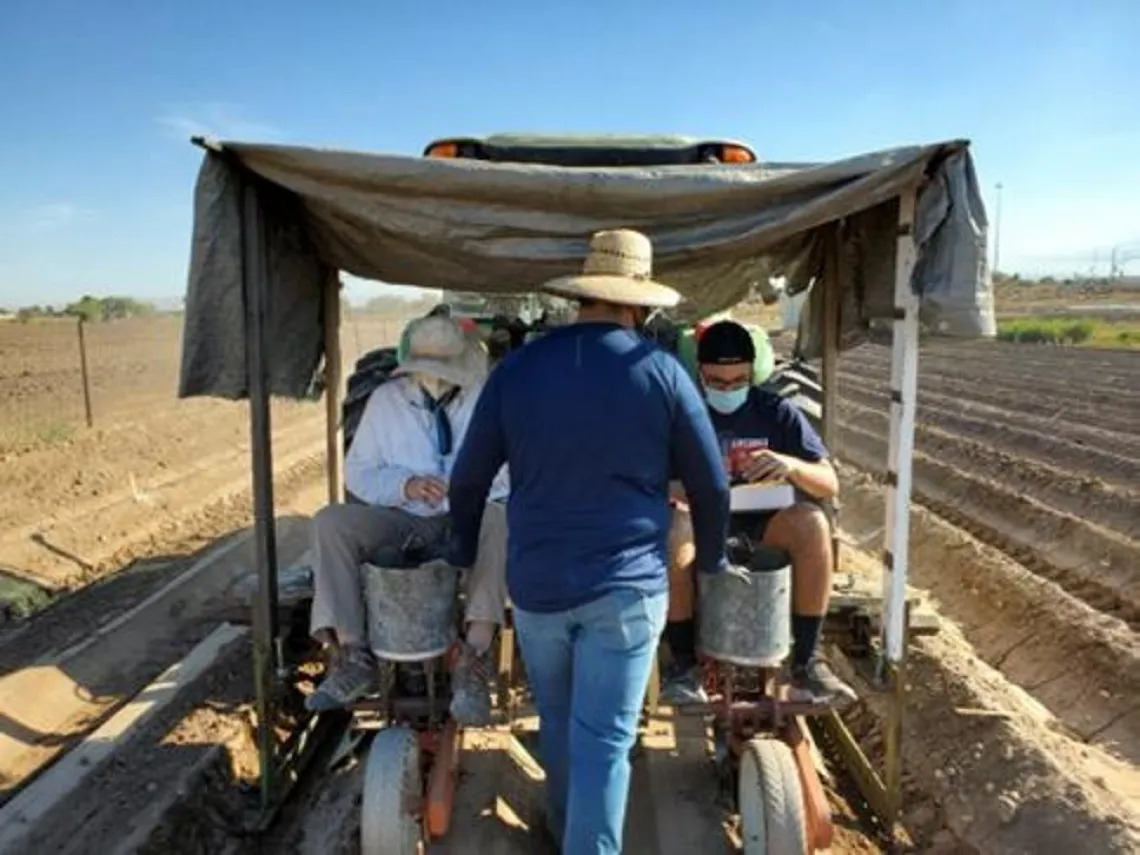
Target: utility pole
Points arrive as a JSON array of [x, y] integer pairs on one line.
[[997, 230]]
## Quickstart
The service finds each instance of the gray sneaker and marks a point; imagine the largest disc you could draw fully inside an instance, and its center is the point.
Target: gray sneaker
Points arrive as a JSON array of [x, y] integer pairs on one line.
[[352, 676], [816, 683], [471, 688], [681, 686]]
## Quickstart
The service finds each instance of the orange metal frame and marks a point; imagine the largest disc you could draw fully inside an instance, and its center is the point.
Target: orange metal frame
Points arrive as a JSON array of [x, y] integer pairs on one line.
[[439, 795], [817, 812], [771, 714]]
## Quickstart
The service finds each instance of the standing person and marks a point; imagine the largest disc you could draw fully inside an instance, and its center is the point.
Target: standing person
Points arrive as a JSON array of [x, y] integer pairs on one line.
[[591, 420], [765, 438]]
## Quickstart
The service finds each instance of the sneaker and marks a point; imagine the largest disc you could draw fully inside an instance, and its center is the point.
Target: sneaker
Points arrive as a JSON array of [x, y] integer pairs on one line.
[[350, 677], [681, 686], [471, 688], [816, 683]]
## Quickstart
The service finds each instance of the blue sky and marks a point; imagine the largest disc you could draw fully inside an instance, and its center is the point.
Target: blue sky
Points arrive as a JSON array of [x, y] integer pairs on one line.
[[97, 98]]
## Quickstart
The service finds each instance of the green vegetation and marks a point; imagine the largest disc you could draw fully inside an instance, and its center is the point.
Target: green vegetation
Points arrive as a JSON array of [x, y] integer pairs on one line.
[[91, 309], [20, 598], [1087, 332], [1046, 331]]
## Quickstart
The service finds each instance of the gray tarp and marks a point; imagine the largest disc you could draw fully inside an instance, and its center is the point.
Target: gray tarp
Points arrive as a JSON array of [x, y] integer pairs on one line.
[[471, 226]]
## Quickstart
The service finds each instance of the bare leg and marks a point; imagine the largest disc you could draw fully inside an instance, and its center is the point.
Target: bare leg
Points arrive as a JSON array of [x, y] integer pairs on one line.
[[803, 531], [681, 684], [682, 558], [805, 534]]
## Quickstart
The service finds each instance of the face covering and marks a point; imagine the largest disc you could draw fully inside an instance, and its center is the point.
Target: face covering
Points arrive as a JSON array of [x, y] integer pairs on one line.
[[434, 386], [726, 402]]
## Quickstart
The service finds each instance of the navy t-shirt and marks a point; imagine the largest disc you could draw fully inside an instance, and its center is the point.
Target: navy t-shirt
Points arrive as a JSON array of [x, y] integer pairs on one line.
[[591, 420], [767, 421]]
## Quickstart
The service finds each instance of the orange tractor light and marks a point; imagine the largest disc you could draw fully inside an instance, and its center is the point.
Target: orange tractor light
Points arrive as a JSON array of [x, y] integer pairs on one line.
[[736, 154], [444, 150]]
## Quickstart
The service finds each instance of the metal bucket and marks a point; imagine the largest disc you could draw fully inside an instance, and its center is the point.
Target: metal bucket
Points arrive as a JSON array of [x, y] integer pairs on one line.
[[748, 624], [410, 611]]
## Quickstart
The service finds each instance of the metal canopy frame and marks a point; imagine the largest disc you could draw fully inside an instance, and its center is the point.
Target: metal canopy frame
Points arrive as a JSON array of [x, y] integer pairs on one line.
[[882, 792], [279, 762]]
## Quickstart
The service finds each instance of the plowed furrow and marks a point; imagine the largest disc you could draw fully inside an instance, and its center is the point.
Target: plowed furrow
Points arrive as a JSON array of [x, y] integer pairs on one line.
[[1090, 564]]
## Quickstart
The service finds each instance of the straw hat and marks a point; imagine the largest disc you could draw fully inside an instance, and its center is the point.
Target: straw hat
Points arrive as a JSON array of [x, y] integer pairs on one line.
[[438, 346], [618, 269]]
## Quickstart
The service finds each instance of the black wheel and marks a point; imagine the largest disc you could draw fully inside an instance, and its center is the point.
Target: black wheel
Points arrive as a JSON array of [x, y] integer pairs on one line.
[[372, 371], [799, 383]]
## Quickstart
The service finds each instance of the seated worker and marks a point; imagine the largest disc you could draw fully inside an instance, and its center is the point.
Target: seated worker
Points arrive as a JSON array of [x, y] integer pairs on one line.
[[764, 438], [399, 463]]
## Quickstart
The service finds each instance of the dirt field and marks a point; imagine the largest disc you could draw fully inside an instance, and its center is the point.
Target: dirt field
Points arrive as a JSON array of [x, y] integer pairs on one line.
[[1024, 726], [79, 502], [1016, 297], [1027, 539]]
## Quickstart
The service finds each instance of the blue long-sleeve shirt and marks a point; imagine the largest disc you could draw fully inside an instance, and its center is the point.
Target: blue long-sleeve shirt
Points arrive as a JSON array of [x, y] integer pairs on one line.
[[593, 421]]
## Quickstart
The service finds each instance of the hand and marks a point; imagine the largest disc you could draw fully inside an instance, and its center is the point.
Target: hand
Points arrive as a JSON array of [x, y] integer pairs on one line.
[[738, 572], [424, 488], [766, 465]]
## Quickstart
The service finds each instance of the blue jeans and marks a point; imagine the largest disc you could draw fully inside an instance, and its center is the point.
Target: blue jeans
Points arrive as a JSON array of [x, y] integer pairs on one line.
[[589, 668]]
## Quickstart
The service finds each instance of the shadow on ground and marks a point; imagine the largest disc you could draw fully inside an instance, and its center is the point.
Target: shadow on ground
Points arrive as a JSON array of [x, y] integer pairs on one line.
[[68, 667]]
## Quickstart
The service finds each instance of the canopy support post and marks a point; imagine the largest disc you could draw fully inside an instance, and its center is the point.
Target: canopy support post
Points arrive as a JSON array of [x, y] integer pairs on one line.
[[832, 299], [829, 375], [334, 434], [256, 295], [903, 403]]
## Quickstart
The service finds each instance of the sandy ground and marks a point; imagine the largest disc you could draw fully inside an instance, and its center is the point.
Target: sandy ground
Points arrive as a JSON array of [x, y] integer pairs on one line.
[[79, 503]]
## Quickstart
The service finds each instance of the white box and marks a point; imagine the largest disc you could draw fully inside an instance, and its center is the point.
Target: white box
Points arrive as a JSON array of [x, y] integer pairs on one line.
[[767, 496]]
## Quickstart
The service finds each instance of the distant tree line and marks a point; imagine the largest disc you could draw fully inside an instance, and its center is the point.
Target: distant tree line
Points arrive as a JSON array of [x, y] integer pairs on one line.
[[398, 307], [1094, 283], [91, 309]]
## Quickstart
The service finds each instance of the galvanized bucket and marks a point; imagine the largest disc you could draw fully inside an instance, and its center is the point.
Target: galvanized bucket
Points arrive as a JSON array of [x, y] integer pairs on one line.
[[748, 623], [410, 612]]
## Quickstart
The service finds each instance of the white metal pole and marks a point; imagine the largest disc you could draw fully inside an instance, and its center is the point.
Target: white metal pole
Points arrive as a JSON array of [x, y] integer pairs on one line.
[[997, 230], [900, 451]]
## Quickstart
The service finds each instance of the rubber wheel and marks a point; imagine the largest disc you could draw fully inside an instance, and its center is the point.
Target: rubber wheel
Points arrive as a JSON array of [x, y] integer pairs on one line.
[[393, 787], [770, 800]]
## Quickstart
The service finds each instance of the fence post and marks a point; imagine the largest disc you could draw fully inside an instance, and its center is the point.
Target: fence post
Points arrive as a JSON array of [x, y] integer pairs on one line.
[[85, 375]]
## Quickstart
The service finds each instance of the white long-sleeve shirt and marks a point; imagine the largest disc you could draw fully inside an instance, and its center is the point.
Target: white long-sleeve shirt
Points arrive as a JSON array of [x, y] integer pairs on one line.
[[396, 440]]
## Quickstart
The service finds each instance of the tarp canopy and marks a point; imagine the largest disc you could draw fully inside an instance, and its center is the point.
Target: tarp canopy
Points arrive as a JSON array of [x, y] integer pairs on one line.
[[473, 226]]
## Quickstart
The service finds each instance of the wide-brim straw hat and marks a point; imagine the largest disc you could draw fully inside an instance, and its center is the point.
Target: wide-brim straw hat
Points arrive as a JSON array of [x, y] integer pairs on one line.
[[618, 269], [438, 346]]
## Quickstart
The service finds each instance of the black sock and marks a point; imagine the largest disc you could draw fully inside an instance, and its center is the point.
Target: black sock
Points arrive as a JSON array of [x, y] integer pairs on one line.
[[805, 638], [681, 635]]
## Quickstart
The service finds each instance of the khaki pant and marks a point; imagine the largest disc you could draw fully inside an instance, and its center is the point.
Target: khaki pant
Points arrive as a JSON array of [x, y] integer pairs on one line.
[[344, 535]]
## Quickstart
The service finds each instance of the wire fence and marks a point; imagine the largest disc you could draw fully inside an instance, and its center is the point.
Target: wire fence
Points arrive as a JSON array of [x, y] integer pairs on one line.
[[61, 375]]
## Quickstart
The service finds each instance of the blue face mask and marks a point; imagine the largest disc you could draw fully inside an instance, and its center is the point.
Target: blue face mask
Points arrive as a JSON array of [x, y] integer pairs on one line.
[[726, 402]]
